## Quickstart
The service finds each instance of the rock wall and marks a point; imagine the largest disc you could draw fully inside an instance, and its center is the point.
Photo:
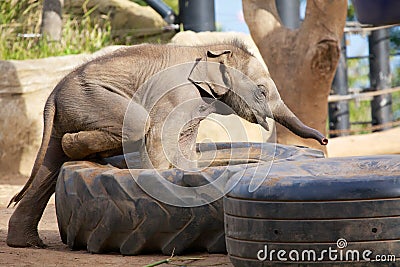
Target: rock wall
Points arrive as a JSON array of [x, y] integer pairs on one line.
[[24, 88]]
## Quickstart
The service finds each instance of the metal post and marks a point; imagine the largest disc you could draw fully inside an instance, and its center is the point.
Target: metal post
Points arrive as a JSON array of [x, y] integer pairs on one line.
[[197, 15], [339, 111], [164, 10], [379, 69], [289, 11]]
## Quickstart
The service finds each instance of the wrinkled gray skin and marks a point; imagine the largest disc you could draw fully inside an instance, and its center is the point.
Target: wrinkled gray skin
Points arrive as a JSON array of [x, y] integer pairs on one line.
[[83, 116]]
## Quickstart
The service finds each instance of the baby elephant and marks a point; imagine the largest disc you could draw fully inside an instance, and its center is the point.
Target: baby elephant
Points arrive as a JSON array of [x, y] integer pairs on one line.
[[154, 95]]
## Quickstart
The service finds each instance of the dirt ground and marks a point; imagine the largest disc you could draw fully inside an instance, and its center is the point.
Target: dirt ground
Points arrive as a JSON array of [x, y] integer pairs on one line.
[[58, 254]]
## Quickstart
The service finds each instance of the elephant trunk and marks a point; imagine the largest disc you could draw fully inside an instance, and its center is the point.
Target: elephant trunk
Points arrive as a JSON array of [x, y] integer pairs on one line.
[[284, 116]]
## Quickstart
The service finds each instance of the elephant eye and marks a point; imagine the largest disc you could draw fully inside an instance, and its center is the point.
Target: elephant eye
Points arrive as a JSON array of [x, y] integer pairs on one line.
[[261, 92]]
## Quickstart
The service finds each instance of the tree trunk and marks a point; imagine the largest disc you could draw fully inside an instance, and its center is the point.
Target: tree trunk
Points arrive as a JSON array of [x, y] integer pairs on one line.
[[52, 19], [302, 62]]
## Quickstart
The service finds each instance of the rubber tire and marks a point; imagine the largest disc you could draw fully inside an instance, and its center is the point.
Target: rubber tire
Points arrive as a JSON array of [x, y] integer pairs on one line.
[[101, 208], [309, 205]]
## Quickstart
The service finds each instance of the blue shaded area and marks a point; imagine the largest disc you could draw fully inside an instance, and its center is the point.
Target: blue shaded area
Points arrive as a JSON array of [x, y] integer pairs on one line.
[[229, 16], [357, 45]]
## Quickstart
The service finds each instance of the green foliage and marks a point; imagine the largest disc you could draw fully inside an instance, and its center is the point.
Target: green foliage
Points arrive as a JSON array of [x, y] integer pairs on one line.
[[351, 13], [396, 77], [396, 95], [140, 2], [171, 3], [360, 111], [80, 35], [358, 71], [13, 10], [21, 17], [358, 77], [395, 38]]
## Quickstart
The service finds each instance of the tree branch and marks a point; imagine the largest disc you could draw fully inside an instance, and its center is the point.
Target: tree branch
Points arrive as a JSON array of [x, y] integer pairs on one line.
[[261, 11], [325, 18], [322, 29]]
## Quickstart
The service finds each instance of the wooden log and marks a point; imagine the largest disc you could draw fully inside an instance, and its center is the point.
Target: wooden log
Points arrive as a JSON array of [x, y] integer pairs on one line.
[[386, 142]]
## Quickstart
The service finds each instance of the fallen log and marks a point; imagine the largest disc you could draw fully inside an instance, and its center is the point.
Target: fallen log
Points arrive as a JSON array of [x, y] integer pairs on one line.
[[385, 142]]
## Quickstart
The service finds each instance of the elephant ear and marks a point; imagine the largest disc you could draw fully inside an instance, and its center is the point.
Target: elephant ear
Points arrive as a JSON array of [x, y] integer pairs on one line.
[[212, 75], [218, 53]]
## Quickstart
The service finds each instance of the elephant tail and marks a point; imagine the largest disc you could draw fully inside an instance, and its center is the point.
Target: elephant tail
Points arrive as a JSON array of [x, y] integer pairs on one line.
[[48, 116]]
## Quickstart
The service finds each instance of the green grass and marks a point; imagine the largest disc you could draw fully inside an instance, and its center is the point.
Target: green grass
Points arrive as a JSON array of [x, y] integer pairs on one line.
[[360, 111], [86, 35], [172, 3], [20, 17]]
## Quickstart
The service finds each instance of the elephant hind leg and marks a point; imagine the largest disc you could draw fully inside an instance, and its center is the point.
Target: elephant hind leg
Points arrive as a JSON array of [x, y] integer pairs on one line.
[[86, 143], [22, 227], [106, 139]]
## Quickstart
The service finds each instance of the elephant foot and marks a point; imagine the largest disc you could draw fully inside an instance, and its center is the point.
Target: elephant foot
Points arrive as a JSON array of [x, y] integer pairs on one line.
[[20, 240], [20, 235]]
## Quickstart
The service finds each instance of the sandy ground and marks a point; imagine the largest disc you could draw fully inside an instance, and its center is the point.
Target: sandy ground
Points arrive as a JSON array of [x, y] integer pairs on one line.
[[58, 254]]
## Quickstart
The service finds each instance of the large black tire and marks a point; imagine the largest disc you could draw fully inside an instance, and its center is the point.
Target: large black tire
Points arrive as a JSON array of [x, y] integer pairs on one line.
[[346, 204], [101, 208]]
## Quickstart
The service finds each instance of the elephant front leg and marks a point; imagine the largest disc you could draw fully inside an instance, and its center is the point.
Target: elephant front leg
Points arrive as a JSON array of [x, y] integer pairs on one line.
[[152, 152], [171, 147], [186, 153]]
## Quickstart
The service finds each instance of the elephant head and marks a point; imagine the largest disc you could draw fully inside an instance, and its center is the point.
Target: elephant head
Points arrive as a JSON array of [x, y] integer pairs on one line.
[[238, 79]]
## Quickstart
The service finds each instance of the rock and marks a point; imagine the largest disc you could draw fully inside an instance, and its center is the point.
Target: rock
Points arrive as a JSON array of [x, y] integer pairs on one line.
[[24, 88], [128, 19], [232, 128], [201, 38]]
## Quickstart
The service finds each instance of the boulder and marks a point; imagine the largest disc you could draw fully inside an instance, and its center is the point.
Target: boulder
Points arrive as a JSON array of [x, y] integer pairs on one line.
[[24, 88], [128, 20]]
